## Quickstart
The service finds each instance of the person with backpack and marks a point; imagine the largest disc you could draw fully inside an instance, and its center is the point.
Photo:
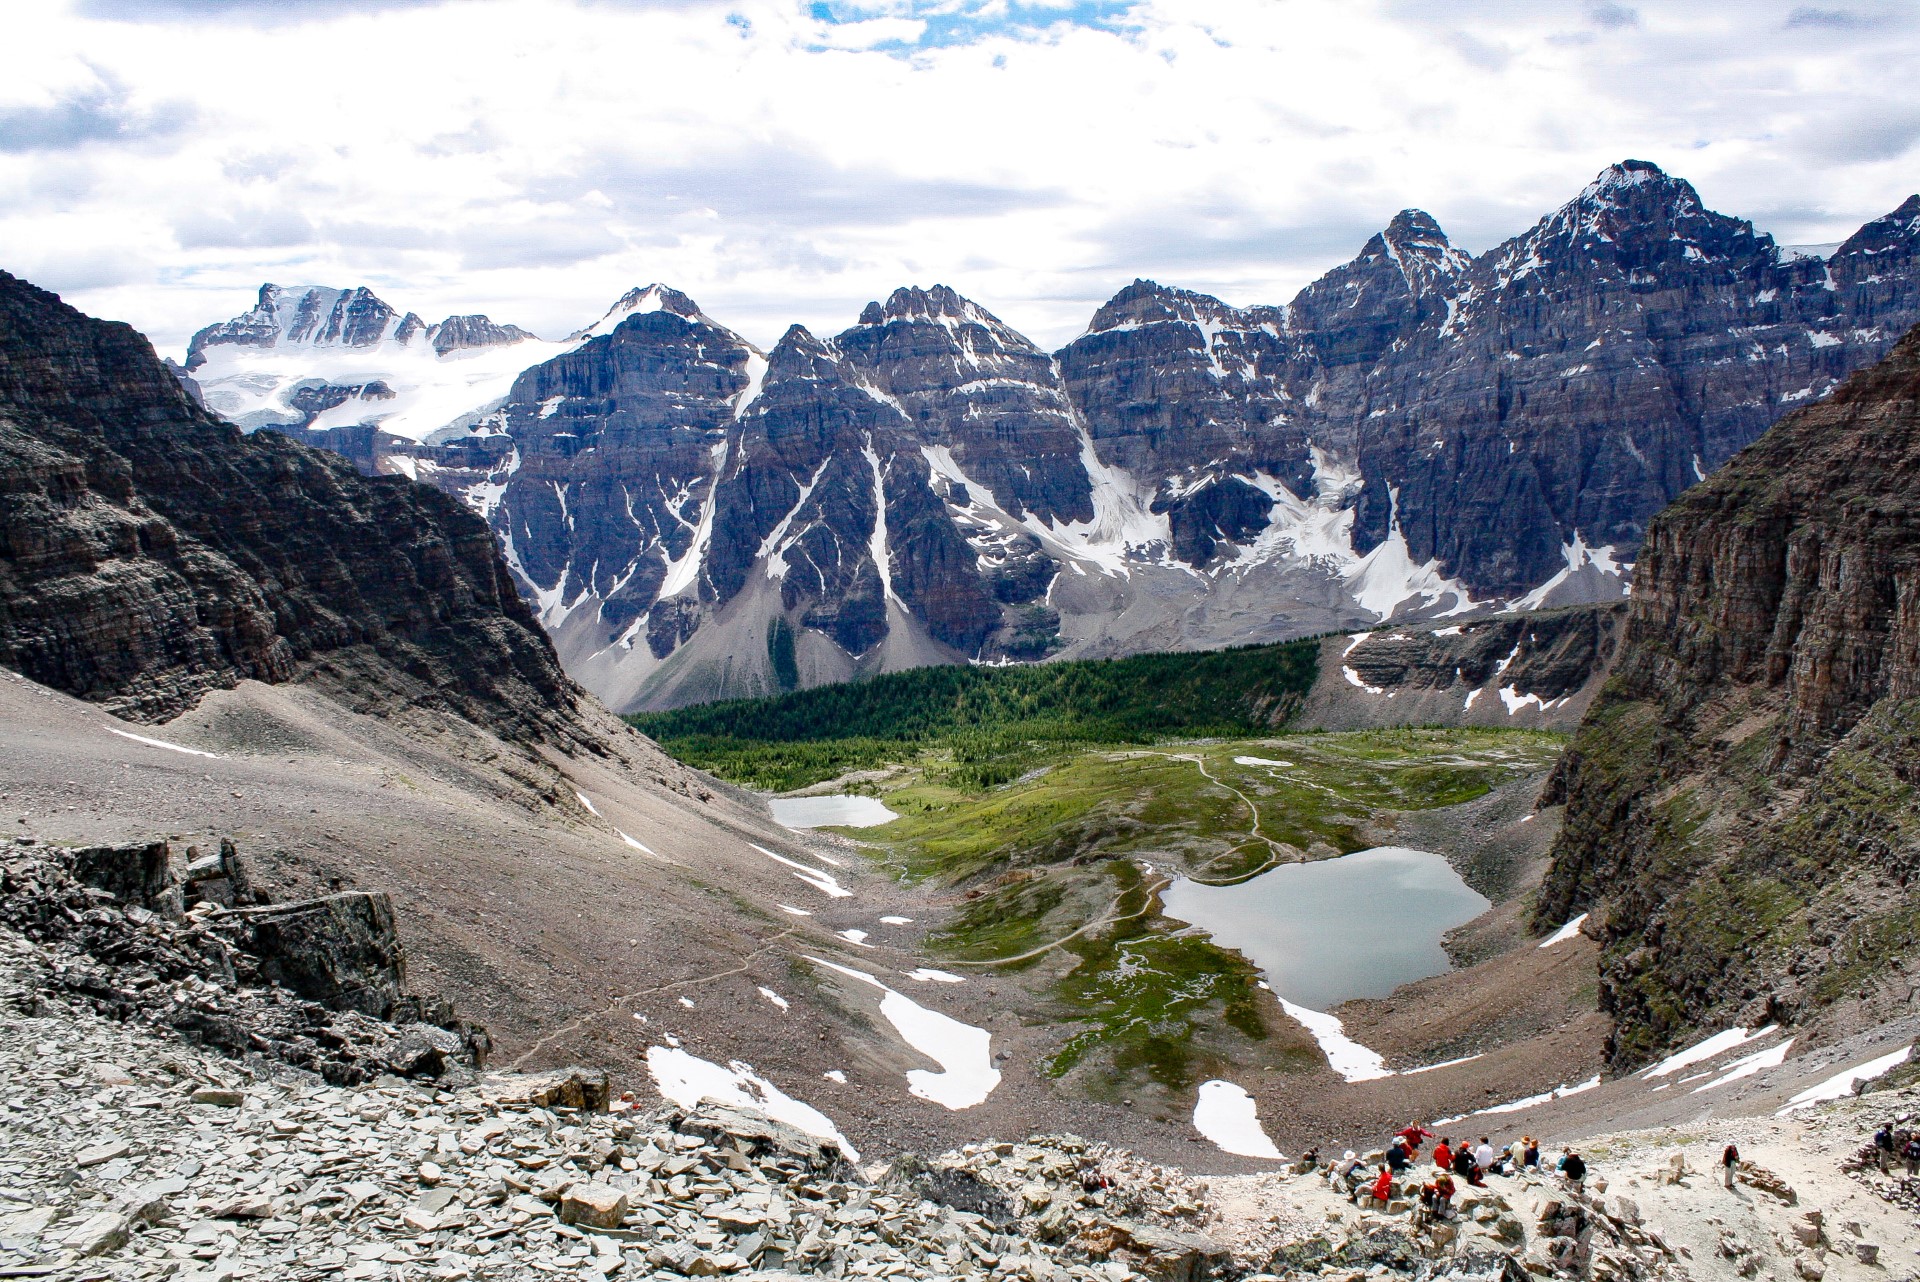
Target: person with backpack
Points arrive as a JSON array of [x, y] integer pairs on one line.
[[1883, 1147], [1466, 1168], [1912, 1154], [1729, 1165]]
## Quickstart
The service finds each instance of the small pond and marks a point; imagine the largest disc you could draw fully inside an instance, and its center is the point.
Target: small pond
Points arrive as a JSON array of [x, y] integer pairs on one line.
[[835, 811], [1321, 933]]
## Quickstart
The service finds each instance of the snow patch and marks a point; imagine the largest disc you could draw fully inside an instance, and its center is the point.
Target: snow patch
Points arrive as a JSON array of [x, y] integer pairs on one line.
[[1748, 1065], [1227, 1116], [1718, 1044], [1531, 1101], [1565, 933], [928, 975], [1355, 679], [964, 1053], [1345, 1056], [1841, 1084], [774, 997], [1578, 556], [162, 743], [686, 1079], [819, 879]]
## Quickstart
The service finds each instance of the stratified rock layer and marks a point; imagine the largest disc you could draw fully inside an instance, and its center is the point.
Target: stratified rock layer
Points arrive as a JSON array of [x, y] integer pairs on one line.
[[1742, 801], [150, 552]]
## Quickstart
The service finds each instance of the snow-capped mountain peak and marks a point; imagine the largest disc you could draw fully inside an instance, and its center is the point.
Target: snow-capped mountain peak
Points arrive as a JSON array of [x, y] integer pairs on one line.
[[1415, 243], [309, 315], [313, 356], [638, 301]]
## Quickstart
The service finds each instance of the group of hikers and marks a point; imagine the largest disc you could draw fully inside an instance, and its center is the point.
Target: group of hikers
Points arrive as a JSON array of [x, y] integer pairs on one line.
[[1895, 1144], [1450, 1164]]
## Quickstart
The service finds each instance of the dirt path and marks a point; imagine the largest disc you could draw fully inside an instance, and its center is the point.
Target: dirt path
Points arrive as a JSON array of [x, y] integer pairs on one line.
[[1106, 919], [616, 1003]]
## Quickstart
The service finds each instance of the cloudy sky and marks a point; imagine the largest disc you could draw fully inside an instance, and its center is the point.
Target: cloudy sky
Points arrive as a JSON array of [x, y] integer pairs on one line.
[[786, 160]]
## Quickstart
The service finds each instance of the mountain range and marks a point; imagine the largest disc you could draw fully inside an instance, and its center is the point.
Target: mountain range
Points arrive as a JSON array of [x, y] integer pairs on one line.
[[1420, 433]]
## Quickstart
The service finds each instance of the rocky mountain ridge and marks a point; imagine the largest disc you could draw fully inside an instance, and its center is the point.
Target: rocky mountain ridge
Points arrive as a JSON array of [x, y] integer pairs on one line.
[[1419, 433], [1740, 799], [150, 552]]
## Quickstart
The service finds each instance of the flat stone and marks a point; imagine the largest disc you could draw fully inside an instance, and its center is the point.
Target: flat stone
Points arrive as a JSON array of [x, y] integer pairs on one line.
[[99, 1233], [99, 1153], [218, 1097]]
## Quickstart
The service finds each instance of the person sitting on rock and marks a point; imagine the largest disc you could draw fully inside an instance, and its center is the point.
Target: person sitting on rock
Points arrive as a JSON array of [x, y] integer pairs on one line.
[[1382, 1190], [1466, 1168], [1344, 1174], [1532, 1158], [1487, 1157], [1443, 1154], [1436, 1197], [1574, 1168], [1398, 1158]]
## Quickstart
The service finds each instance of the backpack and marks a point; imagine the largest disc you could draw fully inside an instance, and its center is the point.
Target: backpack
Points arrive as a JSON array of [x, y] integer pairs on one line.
[[1913, 1149]]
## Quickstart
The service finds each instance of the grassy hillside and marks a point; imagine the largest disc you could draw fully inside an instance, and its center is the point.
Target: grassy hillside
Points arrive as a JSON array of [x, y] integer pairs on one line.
[[990, 724]]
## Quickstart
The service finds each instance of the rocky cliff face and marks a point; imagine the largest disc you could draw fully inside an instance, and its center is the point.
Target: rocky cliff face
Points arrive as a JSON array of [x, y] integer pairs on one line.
[[1535, 671], [1419, 433], [150, 552], [1741, 800]]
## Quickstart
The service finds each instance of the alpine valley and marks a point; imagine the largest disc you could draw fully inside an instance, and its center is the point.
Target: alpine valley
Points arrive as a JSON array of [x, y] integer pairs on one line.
[[1420, 434]]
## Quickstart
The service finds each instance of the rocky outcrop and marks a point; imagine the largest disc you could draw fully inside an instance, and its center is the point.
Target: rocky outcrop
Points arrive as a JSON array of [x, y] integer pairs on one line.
[[1534, 671], [150, 552], [316, 984], [1740, 800]]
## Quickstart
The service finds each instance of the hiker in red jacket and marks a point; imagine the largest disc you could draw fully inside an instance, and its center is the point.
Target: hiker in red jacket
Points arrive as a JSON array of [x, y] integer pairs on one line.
[[1383, 1187]]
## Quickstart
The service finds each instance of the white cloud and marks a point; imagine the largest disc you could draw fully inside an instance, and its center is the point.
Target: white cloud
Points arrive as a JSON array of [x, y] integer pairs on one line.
[[533, 158]]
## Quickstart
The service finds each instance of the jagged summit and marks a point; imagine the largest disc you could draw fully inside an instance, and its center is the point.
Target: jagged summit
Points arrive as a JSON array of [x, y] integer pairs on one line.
[[1632, 176], [639, 300], [941, 302], [1633, 217], [1145, 302], [459, 333], [1896, 230], [310, 315], [801, 353]]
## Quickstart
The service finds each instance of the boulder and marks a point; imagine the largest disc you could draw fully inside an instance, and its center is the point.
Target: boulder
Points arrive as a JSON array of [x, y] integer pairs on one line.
[[1166, 1255], [585, 1089], [139, 873], [759, 1134], [598, 1206]]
